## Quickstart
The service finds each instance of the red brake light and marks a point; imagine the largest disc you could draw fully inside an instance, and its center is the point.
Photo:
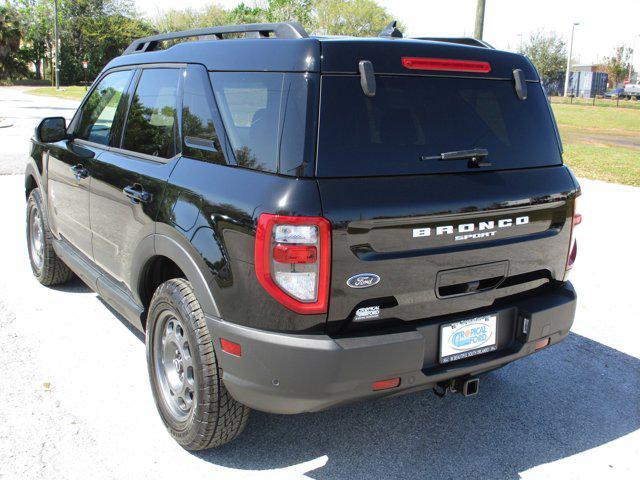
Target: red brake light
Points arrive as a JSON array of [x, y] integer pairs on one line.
[[446, 64], [293, 261]]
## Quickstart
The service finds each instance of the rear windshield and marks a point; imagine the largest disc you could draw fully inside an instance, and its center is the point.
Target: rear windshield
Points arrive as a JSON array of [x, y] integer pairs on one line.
[[412, 118]]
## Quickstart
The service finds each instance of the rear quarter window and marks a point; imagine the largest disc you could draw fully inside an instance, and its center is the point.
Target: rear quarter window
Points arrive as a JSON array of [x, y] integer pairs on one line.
[[412, 117], [270, 119]]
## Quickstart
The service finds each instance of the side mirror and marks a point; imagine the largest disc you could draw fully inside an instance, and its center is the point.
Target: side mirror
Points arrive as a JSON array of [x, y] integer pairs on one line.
[[51, 130]]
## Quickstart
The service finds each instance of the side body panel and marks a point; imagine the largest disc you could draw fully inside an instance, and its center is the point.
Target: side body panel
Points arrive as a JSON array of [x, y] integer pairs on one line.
[[118, 222], [216, 208], [69, 180]]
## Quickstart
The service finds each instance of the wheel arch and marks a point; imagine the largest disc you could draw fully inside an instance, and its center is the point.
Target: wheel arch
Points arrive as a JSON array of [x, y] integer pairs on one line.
[[32, 180], [167, 254]]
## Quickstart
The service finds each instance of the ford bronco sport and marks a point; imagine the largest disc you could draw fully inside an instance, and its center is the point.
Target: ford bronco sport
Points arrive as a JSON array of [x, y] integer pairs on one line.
[[300, 222]]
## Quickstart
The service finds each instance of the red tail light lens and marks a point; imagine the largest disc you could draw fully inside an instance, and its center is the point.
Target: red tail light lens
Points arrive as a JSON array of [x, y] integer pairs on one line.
[[445, 64], [293, 261], [295, 254]]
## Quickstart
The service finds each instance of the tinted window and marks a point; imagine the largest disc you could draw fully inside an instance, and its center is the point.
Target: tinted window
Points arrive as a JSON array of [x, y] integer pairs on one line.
[[99, 110], [414, 117], [250, 105], [299, 124], [151, 123], [200, 140]]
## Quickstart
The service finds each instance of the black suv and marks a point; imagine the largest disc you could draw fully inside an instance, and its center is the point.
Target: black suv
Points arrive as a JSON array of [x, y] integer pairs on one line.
[[299, 222]]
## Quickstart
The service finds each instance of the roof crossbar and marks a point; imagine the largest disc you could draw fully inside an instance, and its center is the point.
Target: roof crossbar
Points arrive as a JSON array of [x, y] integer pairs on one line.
[[253, 30], [474, 42]]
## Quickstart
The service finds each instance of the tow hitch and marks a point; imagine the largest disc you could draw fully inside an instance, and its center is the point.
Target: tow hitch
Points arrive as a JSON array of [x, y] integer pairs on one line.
[[465, 385]]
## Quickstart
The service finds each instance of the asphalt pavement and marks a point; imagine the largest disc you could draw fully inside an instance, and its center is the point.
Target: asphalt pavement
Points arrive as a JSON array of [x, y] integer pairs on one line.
[[23, 112], [75, 402]]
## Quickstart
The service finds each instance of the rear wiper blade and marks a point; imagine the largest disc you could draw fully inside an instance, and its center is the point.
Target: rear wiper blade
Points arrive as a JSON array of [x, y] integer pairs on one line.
[[475, 157]]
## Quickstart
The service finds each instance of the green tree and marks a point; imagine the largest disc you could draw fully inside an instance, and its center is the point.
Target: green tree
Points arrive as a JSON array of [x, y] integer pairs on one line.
[[245, 14], [548, 53], [189, 18], [288, 10], [327, 17], [10, 38], [359, 18], [96, 31], [37, 20], [619, 64]]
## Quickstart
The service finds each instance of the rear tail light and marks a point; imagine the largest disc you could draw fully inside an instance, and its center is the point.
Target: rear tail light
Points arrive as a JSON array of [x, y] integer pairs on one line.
[[446, 64], [573, 244], [293, 261]]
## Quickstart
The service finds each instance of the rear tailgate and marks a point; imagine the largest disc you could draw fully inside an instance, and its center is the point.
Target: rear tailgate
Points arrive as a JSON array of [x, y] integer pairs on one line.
[[442, 236], [379, 226]]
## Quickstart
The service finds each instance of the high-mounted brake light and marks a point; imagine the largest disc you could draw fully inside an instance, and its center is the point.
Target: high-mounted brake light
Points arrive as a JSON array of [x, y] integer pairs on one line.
[[446, 64], [293, 261]]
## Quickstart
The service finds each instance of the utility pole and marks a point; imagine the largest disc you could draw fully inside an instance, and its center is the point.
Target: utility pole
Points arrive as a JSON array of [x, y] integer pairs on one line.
[[57, 42], [566, 77], [633, 58], [479, 19]]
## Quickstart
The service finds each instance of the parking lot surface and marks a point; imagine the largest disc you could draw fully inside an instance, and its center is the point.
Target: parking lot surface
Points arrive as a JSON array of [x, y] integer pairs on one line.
[[76, 402]]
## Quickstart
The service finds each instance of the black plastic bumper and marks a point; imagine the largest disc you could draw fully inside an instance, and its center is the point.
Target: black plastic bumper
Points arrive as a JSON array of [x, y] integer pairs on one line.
[[283, 373]]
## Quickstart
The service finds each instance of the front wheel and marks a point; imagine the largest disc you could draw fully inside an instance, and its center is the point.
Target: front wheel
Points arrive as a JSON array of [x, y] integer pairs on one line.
[[194, 404], [47, 267]]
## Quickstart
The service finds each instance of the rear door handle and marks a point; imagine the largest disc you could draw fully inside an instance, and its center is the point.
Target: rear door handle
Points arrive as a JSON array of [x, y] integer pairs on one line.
[[79, 171], [137, 194]]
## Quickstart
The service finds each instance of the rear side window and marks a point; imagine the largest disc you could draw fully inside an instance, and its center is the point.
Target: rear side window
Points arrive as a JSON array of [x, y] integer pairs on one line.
[[199, 138], [413, 117], [99, 110], [151, 123], [250, 106]]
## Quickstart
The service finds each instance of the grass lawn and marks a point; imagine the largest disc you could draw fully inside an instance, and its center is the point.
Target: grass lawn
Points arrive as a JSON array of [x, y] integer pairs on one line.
[[600, 102], [73, 93], [601, 143], [618, 121]]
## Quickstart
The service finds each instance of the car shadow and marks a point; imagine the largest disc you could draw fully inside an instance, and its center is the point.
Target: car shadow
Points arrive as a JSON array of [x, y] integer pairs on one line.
[[567, 399], [75, 285]]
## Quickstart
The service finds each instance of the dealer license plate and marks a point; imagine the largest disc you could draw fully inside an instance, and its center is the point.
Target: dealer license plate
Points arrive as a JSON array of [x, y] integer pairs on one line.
[[467, 338]]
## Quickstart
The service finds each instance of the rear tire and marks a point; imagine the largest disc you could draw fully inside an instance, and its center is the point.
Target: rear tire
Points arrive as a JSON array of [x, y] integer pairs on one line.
[[47, 267], [186, 380]]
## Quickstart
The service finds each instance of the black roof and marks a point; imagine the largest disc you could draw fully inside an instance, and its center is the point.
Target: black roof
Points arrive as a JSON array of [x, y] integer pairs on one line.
[[293, 51]]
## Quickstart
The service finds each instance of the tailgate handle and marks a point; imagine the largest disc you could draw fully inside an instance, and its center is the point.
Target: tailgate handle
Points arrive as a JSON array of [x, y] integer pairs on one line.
[[469, 280]]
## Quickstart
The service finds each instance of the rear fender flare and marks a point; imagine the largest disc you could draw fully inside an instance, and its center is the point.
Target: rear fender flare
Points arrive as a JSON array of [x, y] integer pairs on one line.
[[171, 244]]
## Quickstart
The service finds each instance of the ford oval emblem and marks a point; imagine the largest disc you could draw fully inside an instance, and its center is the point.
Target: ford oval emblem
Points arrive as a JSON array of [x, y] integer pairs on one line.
[[363, 280]]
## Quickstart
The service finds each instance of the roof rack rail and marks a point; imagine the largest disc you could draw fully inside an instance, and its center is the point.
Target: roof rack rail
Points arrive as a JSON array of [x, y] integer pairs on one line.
[[252, 30], [474, 42]]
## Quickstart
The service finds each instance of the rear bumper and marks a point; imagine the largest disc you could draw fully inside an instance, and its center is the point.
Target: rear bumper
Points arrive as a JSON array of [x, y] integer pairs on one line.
[[286, 373]]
